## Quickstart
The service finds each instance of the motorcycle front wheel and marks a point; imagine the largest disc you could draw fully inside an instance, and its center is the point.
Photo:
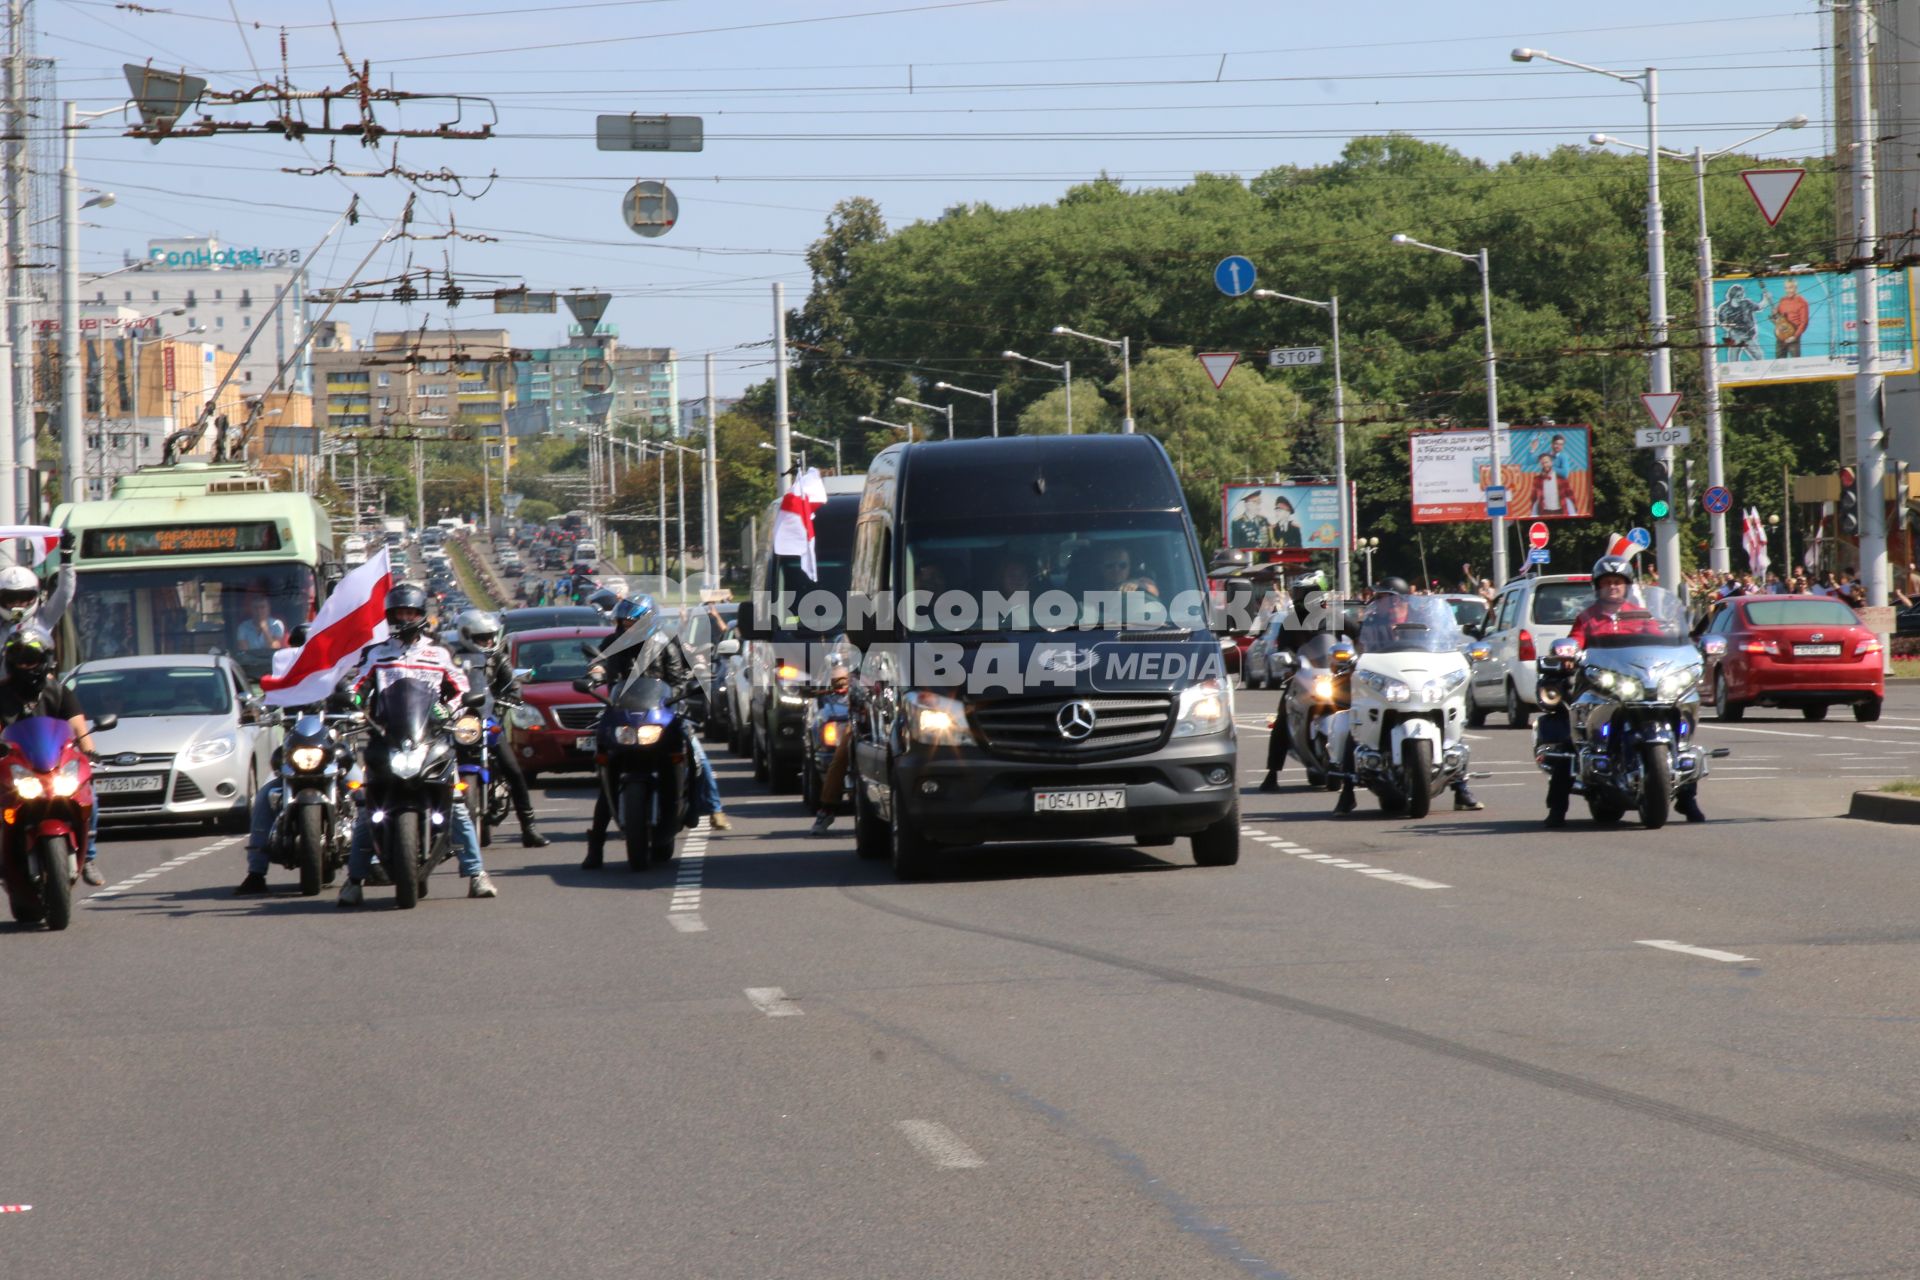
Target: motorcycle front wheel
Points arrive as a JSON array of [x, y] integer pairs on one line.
[[312, 836], [636, 822], [402, 857], [55, 855], [1656, 785], [1416, 776]]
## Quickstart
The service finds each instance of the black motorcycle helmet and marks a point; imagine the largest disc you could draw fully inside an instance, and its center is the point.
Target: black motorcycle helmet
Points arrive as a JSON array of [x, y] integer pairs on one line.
[[604, 600], [1392, 587], [408, 595], [29, 660], [1614, 567]]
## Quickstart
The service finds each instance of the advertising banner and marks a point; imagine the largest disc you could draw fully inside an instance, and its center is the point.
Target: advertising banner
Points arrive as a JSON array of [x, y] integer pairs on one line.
[[1800, 327], [1271, 517], [1547, 472]]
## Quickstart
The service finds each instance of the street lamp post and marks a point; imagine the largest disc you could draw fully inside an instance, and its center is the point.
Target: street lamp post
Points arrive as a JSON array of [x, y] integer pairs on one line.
[[1720, 555], [1496, 438], [1125, 345], [1369, 546], [882, 422], [930, 408], [1344, 556], [70, 206], [991, 397], [1660, 369], [818, 440], [1064, 369]]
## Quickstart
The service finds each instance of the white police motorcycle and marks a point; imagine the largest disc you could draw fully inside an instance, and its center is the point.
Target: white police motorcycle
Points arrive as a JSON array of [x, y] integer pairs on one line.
[[1401, 735]]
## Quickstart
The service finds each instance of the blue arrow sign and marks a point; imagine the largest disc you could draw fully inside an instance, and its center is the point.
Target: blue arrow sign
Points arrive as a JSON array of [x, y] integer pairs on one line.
[[1639, 537], [1234, 276], [1717, 499]]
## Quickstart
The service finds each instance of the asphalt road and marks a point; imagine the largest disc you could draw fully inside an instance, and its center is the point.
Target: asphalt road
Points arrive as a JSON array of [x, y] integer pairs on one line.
[[1373, 1049]]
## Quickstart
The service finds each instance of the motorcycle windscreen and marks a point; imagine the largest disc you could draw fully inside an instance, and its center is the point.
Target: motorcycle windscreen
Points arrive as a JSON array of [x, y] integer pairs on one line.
[[1409, 624], [647, 698], [1648, 616], [403, 711], [40, 739]]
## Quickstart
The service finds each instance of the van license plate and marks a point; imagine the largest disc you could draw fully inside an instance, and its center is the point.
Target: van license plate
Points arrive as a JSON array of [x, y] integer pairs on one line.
[[1079, 801], [1816, 650]]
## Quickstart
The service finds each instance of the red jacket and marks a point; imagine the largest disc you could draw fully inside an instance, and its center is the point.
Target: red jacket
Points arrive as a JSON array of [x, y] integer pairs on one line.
[[1597, 620]]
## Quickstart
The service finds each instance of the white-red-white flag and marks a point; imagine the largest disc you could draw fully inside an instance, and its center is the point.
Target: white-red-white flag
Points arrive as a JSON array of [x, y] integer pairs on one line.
[[793, 523], [43, 538], [353, 617], [1753, 535], [1622, 545]]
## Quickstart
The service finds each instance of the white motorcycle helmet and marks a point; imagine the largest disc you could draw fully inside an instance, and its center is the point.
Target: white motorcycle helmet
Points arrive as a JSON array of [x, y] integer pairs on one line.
[[480, 629], [19, 593]]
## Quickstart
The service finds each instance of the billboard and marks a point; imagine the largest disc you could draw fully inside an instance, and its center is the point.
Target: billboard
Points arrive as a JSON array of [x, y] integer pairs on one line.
[[1800, 327], [1268, 517], [1548, 472]]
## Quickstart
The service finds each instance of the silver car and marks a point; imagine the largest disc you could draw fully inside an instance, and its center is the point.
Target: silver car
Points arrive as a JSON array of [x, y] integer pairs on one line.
[[190, 743]]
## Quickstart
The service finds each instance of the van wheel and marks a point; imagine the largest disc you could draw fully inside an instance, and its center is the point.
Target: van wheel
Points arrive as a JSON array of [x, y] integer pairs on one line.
[[1219, 844], [911, 852], [1518, 716], [871, 839], [1867, 712]]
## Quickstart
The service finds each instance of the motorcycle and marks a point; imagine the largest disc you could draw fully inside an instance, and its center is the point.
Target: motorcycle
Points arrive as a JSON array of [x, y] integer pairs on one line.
[[1401, 737], [1622, 713], [1314, 691], [476, 741], [49, 804], [413, 772], [317, 800], [645, 767], [825, 724]]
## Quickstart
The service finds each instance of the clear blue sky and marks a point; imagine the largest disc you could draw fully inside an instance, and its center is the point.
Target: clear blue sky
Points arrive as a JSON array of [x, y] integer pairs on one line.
[[810, 102]]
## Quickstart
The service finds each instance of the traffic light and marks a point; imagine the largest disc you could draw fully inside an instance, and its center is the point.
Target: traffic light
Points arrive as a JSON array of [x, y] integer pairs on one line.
[[1849, 506], [1659, 490], [1689, 465]]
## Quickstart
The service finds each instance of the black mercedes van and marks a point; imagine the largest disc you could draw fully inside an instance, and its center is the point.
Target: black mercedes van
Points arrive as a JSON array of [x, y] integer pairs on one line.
[[1039, 658]]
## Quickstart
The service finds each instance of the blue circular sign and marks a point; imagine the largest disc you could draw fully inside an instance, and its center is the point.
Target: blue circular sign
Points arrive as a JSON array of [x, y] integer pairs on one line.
[[1234, 276], [1640, 537], [1717, 499]]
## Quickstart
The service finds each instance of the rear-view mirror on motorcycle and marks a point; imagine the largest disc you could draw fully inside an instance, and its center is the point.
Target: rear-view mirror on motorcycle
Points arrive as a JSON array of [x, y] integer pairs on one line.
[[522, 673], [583, 686], [475, 700], [1566, 647], [105, 723]]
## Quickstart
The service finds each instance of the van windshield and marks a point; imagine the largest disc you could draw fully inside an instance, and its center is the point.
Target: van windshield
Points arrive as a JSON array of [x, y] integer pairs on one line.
[[1087, 570]]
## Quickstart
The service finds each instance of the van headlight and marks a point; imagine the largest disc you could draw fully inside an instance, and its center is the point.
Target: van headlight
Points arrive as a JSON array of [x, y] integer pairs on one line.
[[934, 718], [210, 750], [1204, 708], [467, 730]]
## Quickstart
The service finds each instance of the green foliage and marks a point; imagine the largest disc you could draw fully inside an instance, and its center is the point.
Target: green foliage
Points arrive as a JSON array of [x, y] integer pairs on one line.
[[536, 511]]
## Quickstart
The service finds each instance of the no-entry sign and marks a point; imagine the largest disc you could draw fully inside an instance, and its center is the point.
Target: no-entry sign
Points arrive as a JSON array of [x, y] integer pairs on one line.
[[1537, 534]]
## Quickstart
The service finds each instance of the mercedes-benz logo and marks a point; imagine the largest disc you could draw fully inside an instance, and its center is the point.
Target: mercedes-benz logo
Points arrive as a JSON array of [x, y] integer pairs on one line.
[[1075, 721], [124, 759]]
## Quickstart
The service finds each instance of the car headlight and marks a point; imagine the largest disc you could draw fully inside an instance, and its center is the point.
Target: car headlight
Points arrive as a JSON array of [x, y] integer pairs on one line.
[[67, 780], [467, 730], [1204, 708], [406, 762], [937, 719], [307, 759], [648, 734], [210, 750], [27, 784], [524, 717], [1389, 689], [1323, 688]]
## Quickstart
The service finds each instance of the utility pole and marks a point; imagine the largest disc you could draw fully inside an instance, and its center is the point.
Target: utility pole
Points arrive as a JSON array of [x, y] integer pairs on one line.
[[72, 460], [419, 485], [1870, 459], [19, 304], [782, 446], [680, 514], [709, 498]]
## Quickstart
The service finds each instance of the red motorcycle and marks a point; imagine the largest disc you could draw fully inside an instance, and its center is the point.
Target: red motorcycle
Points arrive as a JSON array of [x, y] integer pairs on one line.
[[46, 785]]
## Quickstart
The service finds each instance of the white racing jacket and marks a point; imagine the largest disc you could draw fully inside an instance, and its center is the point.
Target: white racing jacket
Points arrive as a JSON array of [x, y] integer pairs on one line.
[[425, 660]]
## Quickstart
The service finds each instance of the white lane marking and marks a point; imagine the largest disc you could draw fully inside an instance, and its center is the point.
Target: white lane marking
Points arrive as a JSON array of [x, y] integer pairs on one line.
[[940, 1144], [683, 909], [1344, 864], [773, 1002], [687, 922], [135, 881], [1705, 953]]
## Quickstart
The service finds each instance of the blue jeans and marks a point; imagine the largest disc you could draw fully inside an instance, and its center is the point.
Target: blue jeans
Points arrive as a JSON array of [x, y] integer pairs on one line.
[[260, 828], [466, 842], [706, 795]]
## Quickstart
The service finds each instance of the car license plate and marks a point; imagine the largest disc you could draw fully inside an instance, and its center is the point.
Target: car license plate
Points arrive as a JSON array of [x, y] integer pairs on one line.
[[1816, 650], [135, 782], [1079, 801], [583, 743]]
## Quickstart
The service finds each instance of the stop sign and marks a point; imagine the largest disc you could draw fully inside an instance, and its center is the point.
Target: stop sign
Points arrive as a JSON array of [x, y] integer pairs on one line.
[[1537, 535]]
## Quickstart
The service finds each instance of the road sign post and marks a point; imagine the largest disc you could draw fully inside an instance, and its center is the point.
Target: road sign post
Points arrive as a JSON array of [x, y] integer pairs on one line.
[[1655, 437], [1771, 189], [650, 209]]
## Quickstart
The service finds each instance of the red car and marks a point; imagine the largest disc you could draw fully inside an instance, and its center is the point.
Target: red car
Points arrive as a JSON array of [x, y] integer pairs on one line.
[[553, 733], [1809, 652]]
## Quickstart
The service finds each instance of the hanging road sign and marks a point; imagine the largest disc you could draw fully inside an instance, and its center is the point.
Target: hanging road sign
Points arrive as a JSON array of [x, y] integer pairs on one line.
[[596, 375], [649, 133], [1654, 437], [521, 302], [650, 209], [587, 309], [1234, 276], [1660, 405], [1496, 501], [1716, 499], [1539, 555], [1295, 357], [1771, 189], [1218, 365], [162, 96], [1537, 534], [1640, 537]]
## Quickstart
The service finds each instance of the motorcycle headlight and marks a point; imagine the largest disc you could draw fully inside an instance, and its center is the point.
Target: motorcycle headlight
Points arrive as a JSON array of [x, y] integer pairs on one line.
[[307, 759], [27, 784], [407, 761], [467, 730], [830, 733], [1204, 708], [67, 780], [1627, 688], [524, 717], [937, 719], [626, 735], [1675, 683], [1453, 680], [210, 750], [1389, 689], [648, 734], [1323, 688]]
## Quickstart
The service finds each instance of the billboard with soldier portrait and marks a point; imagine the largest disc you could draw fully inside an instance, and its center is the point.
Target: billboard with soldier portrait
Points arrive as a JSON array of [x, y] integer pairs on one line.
[[1281, 516]]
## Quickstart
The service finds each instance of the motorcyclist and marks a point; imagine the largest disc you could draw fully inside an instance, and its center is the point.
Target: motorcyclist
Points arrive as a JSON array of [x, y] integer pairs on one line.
[[1297, 624], [1614, 581], [1376, 630], [839, 682], [409, 653], [20, 602], [480, 635], [30, 690], [670, 664], [604, 600]]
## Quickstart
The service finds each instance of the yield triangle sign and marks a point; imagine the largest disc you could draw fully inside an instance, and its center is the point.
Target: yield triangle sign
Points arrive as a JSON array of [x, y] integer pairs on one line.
[[1660, 406], [587, 309], [1771, 189], [1218, 365]]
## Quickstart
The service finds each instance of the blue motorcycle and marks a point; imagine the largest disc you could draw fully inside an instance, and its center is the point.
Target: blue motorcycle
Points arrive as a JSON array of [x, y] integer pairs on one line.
[[644, 765]]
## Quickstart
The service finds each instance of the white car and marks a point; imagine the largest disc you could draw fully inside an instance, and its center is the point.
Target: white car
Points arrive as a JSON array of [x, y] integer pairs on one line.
[[1525, 619], [190, 743]]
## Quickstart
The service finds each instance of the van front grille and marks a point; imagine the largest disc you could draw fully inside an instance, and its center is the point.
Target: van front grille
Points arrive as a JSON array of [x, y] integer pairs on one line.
[[1029, 728]]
